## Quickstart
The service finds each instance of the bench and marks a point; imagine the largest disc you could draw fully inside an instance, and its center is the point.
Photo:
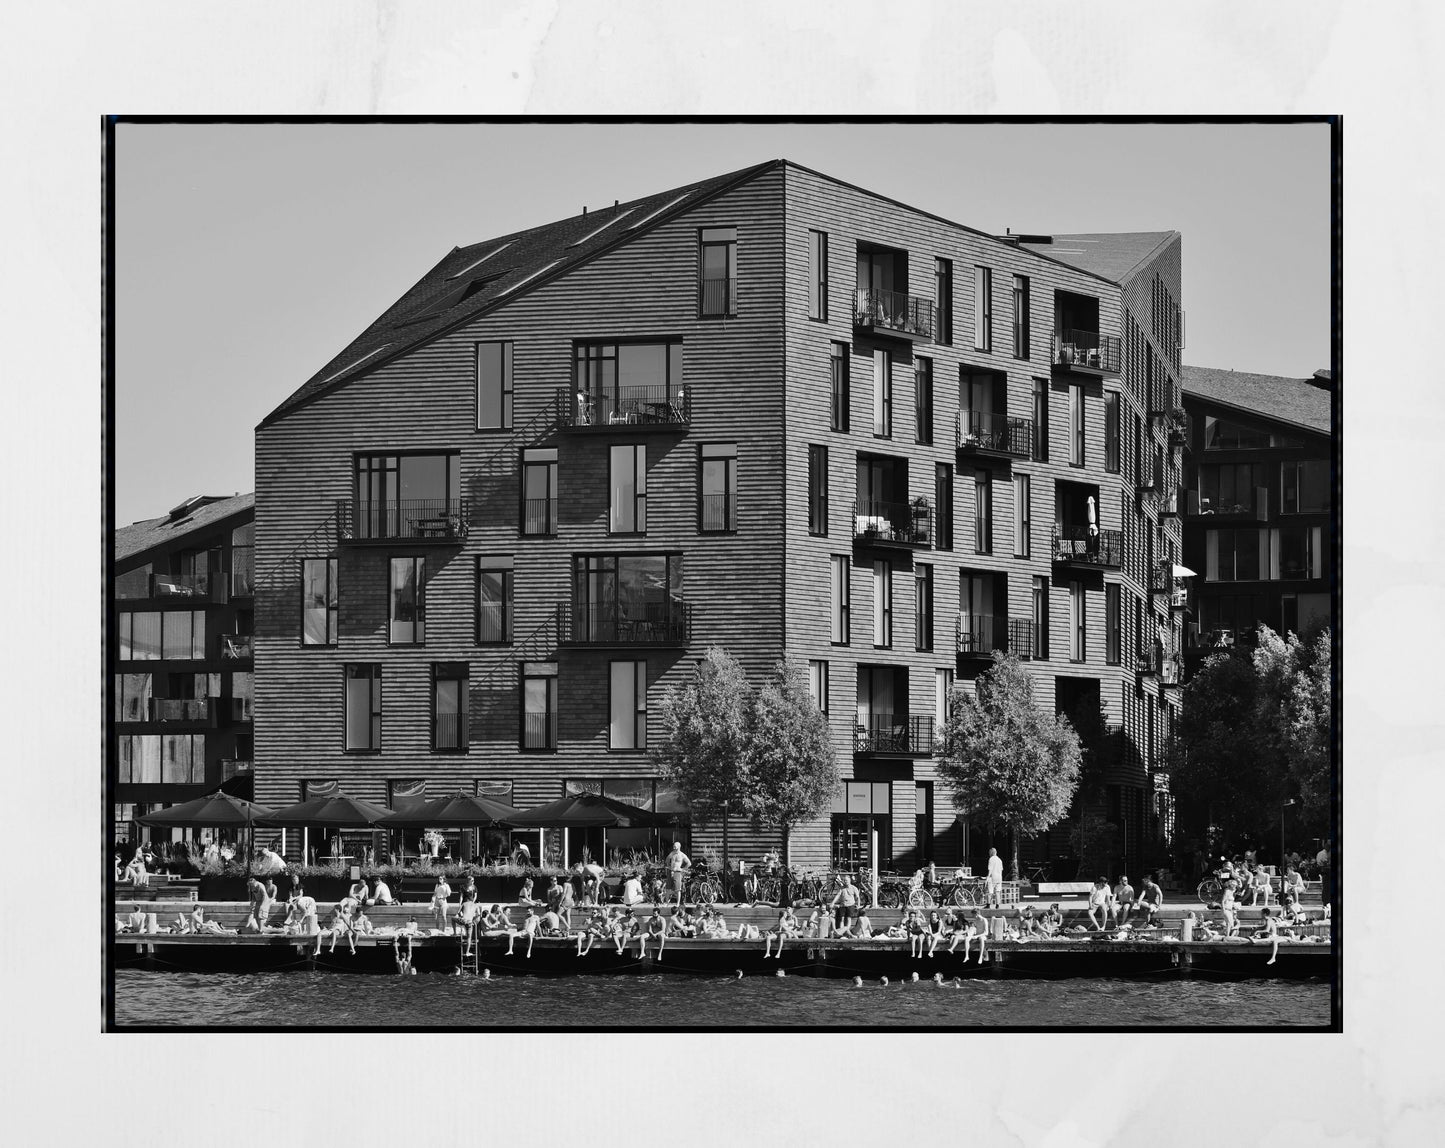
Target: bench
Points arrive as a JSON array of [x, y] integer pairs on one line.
[[1064, 888]]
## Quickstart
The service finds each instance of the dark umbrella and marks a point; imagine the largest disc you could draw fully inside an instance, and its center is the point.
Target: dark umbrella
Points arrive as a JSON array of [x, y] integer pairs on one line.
[[335, 811], [212, 810], [459, 809], [585, 810]]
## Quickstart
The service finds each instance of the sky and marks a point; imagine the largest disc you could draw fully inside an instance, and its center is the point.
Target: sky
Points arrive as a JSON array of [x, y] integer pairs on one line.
[[248, 255]]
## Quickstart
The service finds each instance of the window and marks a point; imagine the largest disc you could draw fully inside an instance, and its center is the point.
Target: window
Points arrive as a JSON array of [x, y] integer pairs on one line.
[[1021, 317], [1296, 552], [539, 490], [818, 275], [449, 706], [982, 309], [363, 707], [1113, 623], [882, 393], [1041, 420], [882, 604], [818, 684], [318, 602], [1222, 434], [1041, 616], [1078, 623], [923, 606], [153, 635], [717, 271], [1231, 488], [923, 820], [923, 399], [717, 487], [1300, 613], [132, 697], [840, 595], [1111, 432], [1236, 555], [943, 291], [539, 705], [1076, 425], [838, 382], [982, 513], [627, 725], [1023, 514], [243, 691], [161, 759], [860, 809], [494, 599], [402, 495], [943, 501], [494, 386], [627, 486], [625, 383], [818, 490], [406, 598], [942, 698], [1304, 487]]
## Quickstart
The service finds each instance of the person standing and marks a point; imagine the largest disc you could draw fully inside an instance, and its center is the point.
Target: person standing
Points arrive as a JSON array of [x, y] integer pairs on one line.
[[845, 904], [678, 863], [994, 886], [439, 894]]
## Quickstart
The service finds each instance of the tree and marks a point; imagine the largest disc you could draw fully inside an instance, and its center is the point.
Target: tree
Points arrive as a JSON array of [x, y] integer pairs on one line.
[[1007, 762], [1294, 713], [703, 749], [1091, 835]]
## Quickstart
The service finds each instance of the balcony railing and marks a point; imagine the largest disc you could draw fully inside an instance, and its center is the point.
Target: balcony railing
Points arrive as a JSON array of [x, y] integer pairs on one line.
[[1250, 503], [984, 433], [180, 709], [719, 513], [143, 584], [1154, 662], [539, 516], [236, 647], [449, 731], [1089, 546], [539, 731], [243, 571], [897, 735], [411, 519], [642, 624], [979, 635], [494, 622], [906, 524], [1161, 577], [642, 407], [1087, 351], [893, 312], [717, 295], [234, 767]]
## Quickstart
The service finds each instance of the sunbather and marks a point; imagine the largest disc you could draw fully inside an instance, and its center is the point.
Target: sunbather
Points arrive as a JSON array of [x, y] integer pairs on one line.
[[977, 927], [917, 933], [199, 924], [531, 926], [1268, 933], [339, 925], [656, 929], [935, 930], [596, 927]]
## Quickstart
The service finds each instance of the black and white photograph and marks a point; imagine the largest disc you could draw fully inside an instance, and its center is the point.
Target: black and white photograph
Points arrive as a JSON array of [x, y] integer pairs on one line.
[[723, 575]]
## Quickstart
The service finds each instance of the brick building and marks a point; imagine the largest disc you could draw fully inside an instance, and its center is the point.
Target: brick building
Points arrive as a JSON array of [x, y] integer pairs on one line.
[[768, 411]]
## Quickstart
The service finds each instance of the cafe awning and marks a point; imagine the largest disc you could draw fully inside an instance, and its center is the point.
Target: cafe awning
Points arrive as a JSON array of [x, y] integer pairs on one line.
[[212, 810], [460, 810], [337, 811]]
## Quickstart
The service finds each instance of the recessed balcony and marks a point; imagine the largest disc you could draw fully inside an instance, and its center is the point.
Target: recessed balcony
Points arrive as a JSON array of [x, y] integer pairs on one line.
[[1153, 662], [182, 710], [978, 636], [202, 588], [641, 624], [1088, 547], [985, 435], [893, 313], [234, 767], [637, 408], [894, 735], [893, 525], [444, 521], [236, 647], [1248, 505], [1086, 353]]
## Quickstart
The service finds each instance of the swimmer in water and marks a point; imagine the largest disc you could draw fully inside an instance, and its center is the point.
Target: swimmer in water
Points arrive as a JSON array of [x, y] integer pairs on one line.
[[857, 981], [885, 982]]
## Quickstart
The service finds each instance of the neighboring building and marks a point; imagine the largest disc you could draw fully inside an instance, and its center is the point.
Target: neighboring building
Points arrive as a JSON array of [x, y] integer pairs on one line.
[[1259, 505], [768, 411], [182, 687]]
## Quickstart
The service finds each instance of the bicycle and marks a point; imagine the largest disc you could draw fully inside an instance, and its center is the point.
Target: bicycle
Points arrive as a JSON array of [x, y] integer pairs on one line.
[[701, 889], [1210, 890]]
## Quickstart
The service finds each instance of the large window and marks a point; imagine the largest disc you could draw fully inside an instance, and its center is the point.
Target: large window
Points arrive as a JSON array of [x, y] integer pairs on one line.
[[1224, 434], [363, 707], [860, 809], [406, 601], [539, 490], [923, 606], [841, 592], [1041, 616], [153, 635], [627, 723], [1021, 317], [1297, 552], [942, 698], [494, 599], [318, 602], [982, 309], [132, 697], [718, 271], [838, 386], [1111, 432], [818, 490], [1304, 487], [624, 383], [627, 486], [1078, 623], [982, 512], [1236, 555], [943, 291], [818, 684], [449, 706], [1076, 425], [405, 496], [818, 275], [882, 393], [1231, 488], [539, 705], [494, 386], [717, 486], [624, 596], [1023, 516], [164, 759], [923, 399], [1041, 420], [882, 604], [943, 504], [1113, 623]]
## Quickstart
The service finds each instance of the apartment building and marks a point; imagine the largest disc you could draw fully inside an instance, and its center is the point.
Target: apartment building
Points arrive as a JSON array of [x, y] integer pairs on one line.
[[768, 411], [182, 684], [1259, 501]]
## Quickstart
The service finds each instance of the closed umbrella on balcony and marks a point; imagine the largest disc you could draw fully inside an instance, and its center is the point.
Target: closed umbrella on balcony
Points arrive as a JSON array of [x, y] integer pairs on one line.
[[1182, 571]]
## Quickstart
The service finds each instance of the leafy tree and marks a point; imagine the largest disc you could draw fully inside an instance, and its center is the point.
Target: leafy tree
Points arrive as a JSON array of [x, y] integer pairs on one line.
[[703, 748], [1294, 710], [1007, 762], [1091, 835]]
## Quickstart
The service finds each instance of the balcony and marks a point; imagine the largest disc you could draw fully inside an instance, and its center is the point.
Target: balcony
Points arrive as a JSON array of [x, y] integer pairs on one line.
[[181, 710], [894, 735], [141, 584], [893, 313], [1088, 548], [439, 520], [650, 624], [236, 647], [893, 525], [232, 711], [979, 635], [1086, 353], [645, 408], [1247, 506], [1155, 663], [234, 767], [996, 436]]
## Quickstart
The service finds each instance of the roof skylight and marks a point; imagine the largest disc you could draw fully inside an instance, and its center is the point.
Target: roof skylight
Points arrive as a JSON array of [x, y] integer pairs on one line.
[[604, 227], [353, 366], [653, 215], [529, 278], [479, 262]]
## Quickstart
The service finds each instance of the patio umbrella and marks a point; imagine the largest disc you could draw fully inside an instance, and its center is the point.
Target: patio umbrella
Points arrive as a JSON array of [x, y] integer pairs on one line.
[[339, 810], [586, 810], [211, 811], [462, 810]]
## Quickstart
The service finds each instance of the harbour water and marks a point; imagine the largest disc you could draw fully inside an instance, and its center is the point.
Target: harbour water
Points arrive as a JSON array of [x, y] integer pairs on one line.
[[144, 997]]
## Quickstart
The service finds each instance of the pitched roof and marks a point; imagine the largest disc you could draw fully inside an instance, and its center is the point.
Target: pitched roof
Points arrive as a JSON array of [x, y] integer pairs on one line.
[[1301, 402], [471, 280], [1111, 255], [149, 533]]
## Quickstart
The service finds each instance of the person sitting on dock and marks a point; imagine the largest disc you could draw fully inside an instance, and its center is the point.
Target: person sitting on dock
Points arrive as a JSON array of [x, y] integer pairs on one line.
[[469, 913], [682, 923], [917, 933], [338, 926], [1229, 907], [198, 924], [380, 893], [1099, 902], [552, 925], [1123, 901], [1150, 899], [361, 923], [136, 872], [301, 914], [1052, 921], [632, 890], [595, 928], [439, 894], [863, 926], [531, 925], [524, 895], [786, 927], [358, 891], [656, 929], [1293, 884], [1267, 933], [977, 927]]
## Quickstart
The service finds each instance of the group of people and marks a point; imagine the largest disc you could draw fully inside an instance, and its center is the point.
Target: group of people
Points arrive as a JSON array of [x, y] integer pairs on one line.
[[1111, 908]]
